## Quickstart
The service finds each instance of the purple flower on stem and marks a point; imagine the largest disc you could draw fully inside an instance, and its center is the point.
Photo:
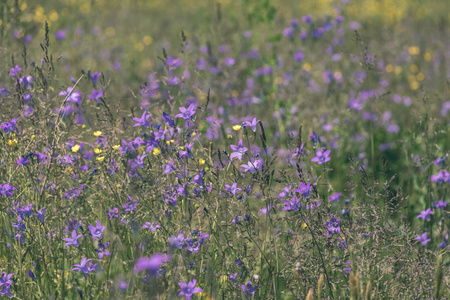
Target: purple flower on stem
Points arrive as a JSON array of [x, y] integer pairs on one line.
[[6, 279], [252, 124], [95, 76], [176, 241], [442, 176], [31, 274], [186, 113], [334, 226], [249, 289], [304, 189], [425, 214], [322, 156], [114, 213], [423, 238], [96, 95], [23, 161], [7, 190], [102, 250], [169, 167], [239, 150], [82, 267], [15, 70], [335, 197], [142, 121], [232, 188], [72, 96], [292, 205], [188, 289], [151, 264], [152, 226], [9, 126], [440, 204], [97, 232], [73, 240], [168, 119], [252, 166]]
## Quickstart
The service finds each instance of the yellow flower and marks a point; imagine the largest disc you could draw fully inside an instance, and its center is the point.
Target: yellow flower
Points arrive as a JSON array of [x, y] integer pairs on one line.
[[223, 278], [237, 127], [172, 141], [229, 136], [201, 161], [98, 150], [168, 143], [115, 147], [98, 133], [101, 158], [12, 143], [304, 226], [75, 148], [156, 151], [194, 134]]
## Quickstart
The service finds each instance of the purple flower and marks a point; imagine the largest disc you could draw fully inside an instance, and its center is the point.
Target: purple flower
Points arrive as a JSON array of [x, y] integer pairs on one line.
[[94, 77], [72, 96], [298, 57], [252, 124], [304, 189], [152, 226], [97, 232], [288, 32], [335, 197], [96, 95], [168, 119], [176, 241], [442, 176], [9, 126], [292, 204], [445, 242], [73, 240], [15, 70], [423, 238], [114, 213], [31, 274], [425, 214], [186, 113], [169, 167], [60, 35], [252, 166], [82, 267], [314, 138], [143, 121], [440, 204], [151, 264], [23, 161], [102, 249], [334, 226], [188, 289], [322, 156], [233, 277], [239, 150], [232, 188], [7, 190], [249, 289], [6, 279]]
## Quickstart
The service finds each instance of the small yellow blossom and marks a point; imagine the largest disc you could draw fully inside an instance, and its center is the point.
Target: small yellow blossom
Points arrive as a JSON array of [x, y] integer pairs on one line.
[[98, 133], [304, 226], [229, 136], [172, 141], [98, 150], [115, 147], [75, 148], [237, 127], [201, 161], [12, 143], [101, 158], [156, 151], [168, 143], [194, 134]]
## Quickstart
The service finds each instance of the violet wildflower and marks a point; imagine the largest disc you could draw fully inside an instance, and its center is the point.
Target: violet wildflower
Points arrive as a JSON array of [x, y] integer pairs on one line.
[[97, 232], [176, 241], [249, 289], [94, 77], [322, 156], [239, 150], [335, 197], [82, 267], [31, 274], [440, 204], [73, 240], [41, 215], [286, 192], [151, 264], [114, 213], [445, 242], [23, 161], [102, 249], [9, 126], [442, 176], [96, 95], [186, 113], [14, 71], [152, 226], [292, 204], [188, 289], [425, 214], [143, 121], [304, 189], [423, 239], [252, 124], [236, 220], [232, 188], [334, 226], [72, 96], [168, 119], [314, 138], [252, 166]]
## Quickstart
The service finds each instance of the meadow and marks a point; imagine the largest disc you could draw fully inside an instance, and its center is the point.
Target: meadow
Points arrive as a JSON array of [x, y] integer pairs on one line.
[[224, 149]]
